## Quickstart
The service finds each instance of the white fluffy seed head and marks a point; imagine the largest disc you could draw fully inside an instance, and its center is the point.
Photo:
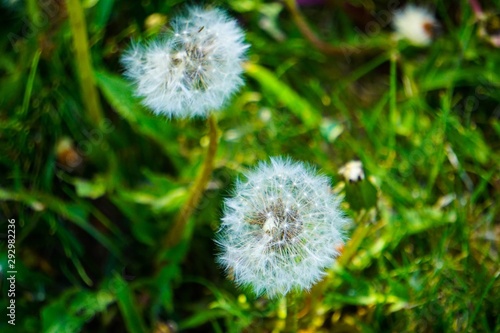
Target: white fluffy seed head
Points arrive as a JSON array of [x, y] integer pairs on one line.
[[194, 69], [281, 228], [416, 24]]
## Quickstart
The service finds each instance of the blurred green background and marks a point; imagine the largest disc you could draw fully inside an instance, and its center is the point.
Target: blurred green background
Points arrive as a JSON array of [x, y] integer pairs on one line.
[[93, 194]]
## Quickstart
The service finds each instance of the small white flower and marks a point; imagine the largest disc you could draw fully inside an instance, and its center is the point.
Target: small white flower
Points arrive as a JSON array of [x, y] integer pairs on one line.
[[282, 228], [352, 171], [194, 69], [416, 24]]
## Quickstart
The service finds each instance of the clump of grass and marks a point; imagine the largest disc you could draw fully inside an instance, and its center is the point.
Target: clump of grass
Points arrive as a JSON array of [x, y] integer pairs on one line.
[[423, 255]]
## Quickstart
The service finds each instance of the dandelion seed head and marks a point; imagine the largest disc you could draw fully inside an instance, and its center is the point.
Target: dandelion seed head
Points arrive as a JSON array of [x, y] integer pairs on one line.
[[192, 70], [275, 239]]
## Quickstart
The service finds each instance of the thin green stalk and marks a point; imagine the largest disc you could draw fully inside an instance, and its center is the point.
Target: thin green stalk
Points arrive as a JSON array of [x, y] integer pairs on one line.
[[175, 235], [311, 37], [33, 11], [83, 60], [29, 84], [354, 243], [292, 319], [392, 107], [480, 304], [348, 253]]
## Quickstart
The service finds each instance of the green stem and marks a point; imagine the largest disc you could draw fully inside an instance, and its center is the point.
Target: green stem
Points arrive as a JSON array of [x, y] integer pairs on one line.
[[351, 248], [393, 116], [308, 33], [33, 11], [175, 235], [29, 84], [83, 60], [292, 320]]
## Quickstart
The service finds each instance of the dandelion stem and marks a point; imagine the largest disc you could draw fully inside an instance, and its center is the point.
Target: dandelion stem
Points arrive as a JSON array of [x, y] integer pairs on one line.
[[33, 10], [292, 320], [83, 60], [393, 116], [175, 235], [311, 36]]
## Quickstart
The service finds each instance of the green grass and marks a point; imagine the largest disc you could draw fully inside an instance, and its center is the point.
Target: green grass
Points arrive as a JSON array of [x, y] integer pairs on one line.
[[424, 248]]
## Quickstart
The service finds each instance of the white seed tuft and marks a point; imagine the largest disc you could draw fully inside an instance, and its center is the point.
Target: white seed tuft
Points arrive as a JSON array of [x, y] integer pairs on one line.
[[274, 237], [194, 69]]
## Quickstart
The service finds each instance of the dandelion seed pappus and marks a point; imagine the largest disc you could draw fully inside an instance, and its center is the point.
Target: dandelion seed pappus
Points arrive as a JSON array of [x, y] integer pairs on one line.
[[277, 231], [192, 71]]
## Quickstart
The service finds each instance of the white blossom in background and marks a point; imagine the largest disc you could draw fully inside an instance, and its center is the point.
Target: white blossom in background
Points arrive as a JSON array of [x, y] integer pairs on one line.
[[352, 171], [416, 24], [192, 70], [282, 228]]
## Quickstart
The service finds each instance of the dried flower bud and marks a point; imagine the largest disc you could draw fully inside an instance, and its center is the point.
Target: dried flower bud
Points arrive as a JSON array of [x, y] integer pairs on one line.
[[66, 153], [352, 171]]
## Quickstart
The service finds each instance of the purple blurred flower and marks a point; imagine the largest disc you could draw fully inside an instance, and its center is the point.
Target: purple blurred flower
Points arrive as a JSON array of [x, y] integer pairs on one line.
[[310, 2]]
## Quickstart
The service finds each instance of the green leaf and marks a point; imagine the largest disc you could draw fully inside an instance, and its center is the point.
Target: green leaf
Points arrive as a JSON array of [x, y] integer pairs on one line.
[[90, 189], [73, 309], [164, 281], [202, 317], [467, 142], [168, 202], [119, 94], [363, 292], [410, 222], [73, 212], [161, 193], [361, 194], [127, 304], [415, 221], [310, 117]]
